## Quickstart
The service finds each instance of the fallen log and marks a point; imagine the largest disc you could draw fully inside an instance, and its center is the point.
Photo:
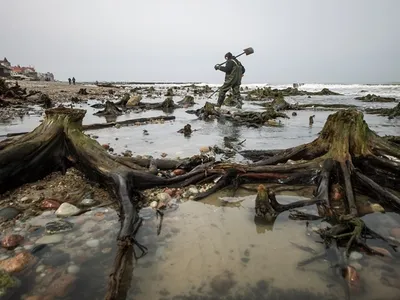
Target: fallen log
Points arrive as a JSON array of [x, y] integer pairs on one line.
[[375, 98], [389, 112], [106, 125], [127, 122]]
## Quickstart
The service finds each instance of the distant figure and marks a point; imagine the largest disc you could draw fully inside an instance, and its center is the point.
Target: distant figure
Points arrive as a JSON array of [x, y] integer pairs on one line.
[[73, 80], [69, 81], [234, 71], [311, 121]]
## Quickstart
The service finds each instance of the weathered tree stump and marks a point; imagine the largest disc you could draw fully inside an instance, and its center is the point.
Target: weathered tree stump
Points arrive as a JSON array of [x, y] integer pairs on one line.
[[110, 109]]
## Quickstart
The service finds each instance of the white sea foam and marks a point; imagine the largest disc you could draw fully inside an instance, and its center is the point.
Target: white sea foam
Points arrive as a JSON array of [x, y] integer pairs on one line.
[[385, 90]]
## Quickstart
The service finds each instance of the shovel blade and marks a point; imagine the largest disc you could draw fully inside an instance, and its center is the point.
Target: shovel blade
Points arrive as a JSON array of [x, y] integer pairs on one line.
[[248, 51]]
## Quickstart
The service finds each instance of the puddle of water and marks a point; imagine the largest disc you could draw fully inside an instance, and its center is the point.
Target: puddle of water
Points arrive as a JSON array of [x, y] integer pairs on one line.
[[211, 252], [213, 249]]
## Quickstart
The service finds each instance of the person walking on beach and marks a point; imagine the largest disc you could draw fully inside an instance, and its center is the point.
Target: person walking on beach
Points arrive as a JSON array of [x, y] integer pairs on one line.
[[69, 81], [73, 80], [234, 71]]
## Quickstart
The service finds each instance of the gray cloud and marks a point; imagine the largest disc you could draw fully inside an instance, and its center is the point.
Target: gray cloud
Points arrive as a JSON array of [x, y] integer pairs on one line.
[[181, 40]]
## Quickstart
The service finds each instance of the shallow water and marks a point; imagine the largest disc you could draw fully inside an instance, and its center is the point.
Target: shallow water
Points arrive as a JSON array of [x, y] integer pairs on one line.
[[165, 139], [214, 249]]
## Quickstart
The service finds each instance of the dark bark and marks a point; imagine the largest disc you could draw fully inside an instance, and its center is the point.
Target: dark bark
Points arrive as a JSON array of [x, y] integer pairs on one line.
[[110, 110]]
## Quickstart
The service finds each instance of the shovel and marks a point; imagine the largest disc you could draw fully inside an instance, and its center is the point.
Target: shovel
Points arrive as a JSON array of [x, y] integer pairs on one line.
[[246, 51]]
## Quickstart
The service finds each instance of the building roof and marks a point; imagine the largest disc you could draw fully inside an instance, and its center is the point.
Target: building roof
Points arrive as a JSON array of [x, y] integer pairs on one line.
[[4, 67], [18, 69]]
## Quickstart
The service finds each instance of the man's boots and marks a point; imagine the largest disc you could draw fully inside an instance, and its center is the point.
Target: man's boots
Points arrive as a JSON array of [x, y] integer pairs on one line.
[[220, 101], [239, 103]]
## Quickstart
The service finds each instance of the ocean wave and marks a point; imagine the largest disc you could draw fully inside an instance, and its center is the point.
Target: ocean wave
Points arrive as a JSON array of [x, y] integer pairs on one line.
[[385, 90]]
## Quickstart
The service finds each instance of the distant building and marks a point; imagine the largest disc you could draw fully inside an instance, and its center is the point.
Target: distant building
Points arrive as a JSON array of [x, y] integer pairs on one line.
[[5, 68], [45, 76], [23, 73]]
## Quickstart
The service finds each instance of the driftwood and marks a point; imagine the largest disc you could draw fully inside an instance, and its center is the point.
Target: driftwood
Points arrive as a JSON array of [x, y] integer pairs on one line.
[[269, 93], [106, 125], [389, 112], [346, 153], [167, 104], [15, 95], [248, 118], [375, 98]]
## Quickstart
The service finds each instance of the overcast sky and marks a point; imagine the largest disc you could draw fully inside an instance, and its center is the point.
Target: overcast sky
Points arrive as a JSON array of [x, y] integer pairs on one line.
[[314, 41]]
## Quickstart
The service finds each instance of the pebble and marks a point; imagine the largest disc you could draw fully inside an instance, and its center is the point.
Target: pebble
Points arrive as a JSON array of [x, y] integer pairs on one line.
[[147, 213], [40, 268], [93, 243], [12, 241], [314, 228], [395, 232], [56, 258], [46, 213], [4, 256], [355, 255], [39, 248], [88, 226], [50, 239], [193, 190], [23, 199], [58, 226], [73, 269], [8, 213], [164, 197], [49, 204], [178, 172], [89, 202], [205, 149], [17, 263], [153, 204], [28, 246], [18, 249], [382, 251], [66, 210]]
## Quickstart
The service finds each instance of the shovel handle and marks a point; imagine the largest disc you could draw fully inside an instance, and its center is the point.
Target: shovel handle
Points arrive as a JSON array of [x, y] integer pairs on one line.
[[213, 93], [234, 57]]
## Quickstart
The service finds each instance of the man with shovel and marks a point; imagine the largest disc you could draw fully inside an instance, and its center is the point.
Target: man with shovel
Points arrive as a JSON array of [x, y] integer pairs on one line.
[[234, 71]]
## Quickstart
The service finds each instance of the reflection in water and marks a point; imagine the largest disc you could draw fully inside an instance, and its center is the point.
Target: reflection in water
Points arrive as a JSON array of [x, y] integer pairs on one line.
[[264, 224], [110, 118], [217, 252]]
